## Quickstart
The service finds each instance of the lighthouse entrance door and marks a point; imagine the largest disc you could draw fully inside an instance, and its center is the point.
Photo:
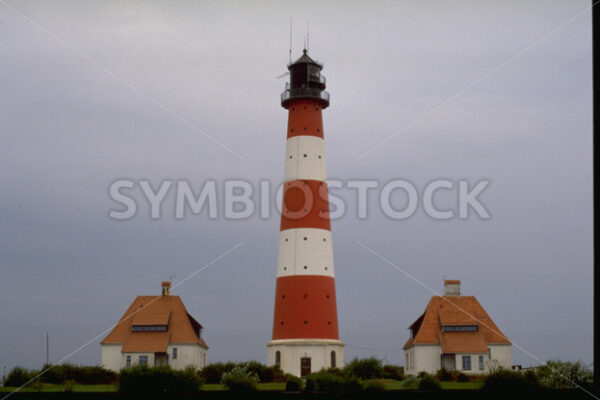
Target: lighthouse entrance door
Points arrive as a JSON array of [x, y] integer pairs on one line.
[[304, 366]]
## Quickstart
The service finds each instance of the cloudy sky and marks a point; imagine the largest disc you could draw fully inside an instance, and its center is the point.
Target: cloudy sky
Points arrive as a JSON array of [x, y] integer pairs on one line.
[[96, 91]]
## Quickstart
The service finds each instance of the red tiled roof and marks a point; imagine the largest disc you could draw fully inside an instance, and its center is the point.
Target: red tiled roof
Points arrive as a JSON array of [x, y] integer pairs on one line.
[[455, 310], [155, 310], [463, 342], [152, 342], [147, 317]]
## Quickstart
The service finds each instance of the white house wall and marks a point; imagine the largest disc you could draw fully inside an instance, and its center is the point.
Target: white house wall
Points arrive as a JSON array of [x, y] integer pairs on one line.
[[111, 357], [502, 353], [187, 354], [428, 358], [425, 358]]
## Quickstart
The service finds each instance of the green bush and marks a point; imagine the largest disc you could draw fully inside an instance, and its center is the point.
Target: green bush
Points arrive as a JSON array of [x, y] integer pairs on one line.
[[239, 379], [19, 376], [428, 383], [411, 382], [557, 374], [336, 371], [293, 384], [69, 386], [264, 373], [462, 377], [503, 380], [212, 373], [373, 386], [444, 375], [366, 368], [392, 372], [143, 379], [325, 381], [87, 375]]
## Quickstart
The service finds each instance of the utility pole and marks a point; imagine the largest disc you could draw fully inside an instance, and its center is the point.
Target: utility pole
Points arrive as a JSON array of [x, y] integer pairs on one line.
[[47, 348], [596, 164]]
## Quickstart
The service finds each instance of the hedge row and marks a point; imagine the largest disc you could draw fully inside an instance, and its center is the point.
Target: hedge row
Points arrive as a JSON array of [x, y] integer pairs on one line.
[[61, 374]]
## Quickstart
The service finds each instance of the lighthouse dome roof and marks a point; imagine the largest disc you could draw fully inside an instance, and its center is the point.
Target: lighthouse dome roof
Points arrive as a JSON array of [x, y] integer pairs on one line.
[[305, 59]]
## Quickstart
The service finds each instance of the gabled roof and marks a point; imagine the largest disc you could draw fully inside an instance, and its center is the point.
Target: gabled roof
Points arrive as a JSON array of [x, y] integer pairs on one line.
[[455, 310], [167, 310]]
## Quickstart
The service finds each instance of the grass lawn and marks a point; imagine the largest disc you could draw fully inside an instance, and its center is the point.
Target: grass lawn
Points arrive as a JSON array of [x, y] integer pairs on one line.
[[461, 385], [389, 384]]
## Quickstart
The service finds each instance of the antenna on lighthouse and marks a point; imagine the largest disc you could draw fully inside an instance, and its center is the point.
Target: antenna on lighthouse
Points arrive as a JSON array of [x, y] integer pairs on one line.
[[291, 21], [307, 34]]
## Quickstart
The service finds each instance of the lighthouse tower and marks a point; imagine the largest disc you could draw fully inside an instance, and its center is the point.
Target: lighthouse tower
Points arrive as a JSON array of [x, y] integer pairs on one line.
[[305, 328]]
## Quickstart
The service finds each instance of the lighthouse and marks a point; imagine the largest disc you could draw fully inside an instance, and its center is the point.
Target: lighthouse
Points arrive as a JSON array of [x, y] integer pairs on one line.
[[305, 327]]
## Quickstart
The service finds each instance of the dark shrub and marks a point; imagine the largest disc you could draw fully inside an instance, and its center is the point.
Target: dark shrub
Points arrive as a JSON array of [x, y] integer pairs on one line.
[[336, 371], [373, 386], [143, 379], [81, 374], [462, 377], [293, 384], [444, 375], [277, 375], [351, 384], [69, 386], [411, 382], [324, 381], [264, 373], [18, 376], [504, 380], [366, 368], [212, 373], [392, 372], [429, 383], [239, 379]]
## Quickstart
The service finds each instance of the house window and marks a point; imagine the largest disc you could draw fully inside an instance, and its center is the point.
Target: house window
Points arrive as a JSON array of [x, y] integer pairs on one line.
[[128, 362], [278, 358], [481, 363], [174, 353], [459, 328], [143, 360], [406, 361], [466, 363], [148, 328], [333, 360]]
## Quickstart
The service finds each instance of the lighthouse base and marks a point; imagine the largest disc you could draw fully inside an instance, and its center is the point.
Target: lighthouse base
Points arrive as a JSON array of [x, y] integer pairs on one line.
[[300, 357]]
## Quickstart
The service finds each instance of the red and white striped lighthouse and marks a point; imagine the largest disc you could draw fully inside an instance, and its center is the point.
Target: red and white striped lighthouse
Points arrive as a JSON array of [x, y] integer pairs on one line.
[[305, 328]]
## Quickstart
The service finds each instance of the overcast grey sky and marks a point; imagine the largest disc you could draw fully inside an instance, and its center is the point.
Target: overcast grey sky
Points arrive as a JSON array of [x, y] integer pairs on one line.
[[68, 129]]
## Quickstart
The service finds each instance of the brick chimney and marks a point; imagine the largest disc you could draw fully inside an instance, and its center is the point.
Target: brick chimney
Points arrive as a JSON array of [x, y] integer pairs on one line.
[[451, 287], [166, 288]]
